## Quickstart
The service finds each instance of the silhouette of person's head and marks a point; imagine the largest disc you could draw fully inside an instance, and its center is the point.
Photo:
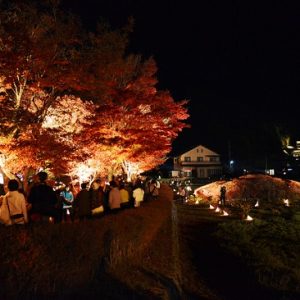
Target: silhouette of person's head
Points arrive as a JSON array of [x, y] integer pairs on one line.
[[13, 185], [42, 176], [113, 184]]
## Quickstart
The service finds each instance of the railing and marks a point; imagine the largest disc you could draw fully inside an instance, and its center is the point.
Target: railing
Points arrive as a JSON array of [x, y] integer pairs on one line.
[[195, 162]]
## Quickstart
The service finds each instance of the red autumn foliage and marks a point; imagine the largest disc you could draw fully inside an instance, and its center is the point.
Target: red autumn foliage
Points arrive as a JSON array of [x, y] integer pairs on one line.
[[69, 97]]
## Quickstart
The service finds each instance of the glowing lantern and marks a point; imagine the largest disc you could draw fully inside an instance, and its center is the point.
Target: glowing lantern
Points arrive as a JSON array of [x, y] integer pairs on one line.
[[286, 202], [197, 202], [217, 209], [249, 218]]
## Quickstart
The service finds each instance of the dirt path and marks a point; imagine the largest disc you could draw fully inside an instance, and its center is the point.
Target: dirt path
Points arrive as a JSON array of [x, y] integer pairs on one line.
[[208, 272]]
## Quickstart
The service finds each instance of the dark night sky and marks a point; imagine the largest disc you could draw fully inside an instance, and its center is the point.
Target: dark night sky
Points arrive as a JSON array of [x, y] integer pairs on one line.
[[236, 61]]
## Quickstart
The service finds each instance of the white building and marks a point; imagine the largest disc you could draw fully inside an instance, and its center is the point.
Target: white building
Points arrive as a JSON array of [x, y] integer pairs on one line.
[[199, 162]]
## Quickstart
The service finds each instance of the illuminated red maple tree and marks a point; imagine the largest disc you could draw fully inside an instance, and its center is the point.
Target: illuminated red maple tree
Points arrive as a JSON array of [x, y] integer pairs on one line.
[[71, 99], [139, 121]]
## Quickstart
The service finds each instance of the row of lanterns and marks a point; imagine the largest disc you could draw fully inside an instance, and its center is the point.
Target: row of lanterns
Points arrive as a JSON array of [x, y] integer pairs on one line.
[[225, 213], [248, 218]]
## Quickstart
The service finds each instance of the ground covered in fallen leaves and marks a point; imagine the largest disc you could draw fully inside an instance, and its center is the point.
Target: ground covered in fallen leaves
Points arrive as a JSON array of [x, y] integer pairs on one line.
[[257, 187]]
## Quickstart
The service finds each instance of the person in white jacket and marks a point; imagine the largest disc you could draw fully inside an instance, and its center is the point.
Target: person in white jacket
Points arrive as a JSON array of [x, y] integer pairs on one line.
[[13, 209], [138, 195]]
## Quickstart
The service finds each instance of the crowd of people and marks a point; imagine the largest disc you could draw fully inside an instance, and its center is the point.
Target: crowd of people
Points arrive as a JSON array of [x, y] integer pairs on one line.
[[44, 202]]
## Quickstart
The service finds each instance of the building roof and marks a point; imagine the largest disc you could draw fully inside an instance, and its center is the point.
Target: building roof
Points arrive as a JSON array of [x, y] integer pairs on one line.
[[208, 151]]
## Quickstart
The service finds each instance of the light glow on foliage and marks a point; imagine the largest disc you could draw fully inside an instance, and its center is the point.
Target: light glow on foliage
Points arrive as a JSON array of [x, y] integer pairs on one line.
[[112, 113], [84, 172], [69, 114], [36, 99], [50, 122], [145, 108], [166, 121], [131, 169]]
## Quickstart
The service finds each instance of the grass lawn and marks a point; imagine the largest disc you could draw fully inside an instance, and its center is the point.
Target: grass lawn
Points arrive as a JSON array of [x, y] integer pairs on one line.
[[224, 256]]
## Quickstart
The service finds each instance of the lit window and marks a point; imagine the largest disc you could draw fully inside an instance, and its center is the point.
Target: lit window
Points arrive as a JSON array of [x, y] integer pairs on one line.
[[187, 158]]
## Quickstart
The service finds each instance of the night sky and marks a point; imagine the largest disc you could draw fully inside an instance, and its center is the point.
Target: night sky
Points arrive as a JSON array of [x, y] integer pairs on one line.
[[236, 61]]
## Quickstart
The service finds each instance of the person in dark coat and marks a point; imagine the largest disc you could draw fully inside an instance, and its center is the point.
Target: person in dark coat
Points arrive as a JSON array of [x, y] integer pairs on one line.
[[96, 194], [154, 189], [43, 199], [222, 195], [2, 191], [82, 203]]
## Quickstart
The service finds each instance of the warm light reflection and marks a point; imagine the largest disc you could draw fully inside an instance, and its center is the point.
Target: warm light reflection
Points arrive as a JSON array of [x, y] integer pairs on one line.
[[257, 204], [211, 207], [225, 213], [217, 209]]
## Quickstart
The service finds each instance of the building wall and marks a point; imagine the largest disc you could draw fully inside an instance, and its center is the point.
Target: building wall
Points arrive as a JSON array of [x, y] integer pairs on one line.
[[199, 162], [199, 154]]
